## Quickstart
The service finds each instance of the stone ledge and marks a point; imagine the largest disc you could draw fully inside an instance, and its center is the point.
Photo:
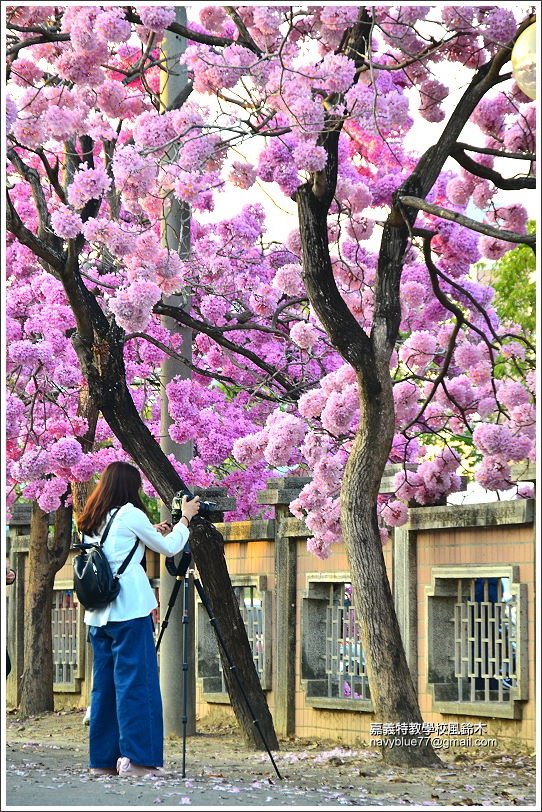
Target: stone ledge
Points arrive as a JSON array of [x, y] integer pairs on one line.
[[328, 703], [486, 514], [255, 530], [490, 710]]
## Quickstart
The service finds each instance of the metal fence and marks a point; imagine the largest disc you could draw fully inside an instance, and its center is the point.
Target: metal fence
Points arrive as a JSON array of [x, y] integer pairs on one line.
[[345, 661], [66, 638], [485, 640]]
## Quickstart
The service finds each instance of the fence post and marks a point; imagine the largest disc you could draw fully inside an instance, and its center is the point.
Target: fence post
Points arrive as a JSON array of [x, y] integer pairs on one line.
[[280, 492], [405, 586]]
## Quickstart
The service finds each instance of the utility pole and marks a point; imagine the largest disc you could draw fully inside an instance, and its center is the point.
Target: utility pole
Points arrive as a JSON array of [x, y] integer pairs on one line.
[[175, 236]]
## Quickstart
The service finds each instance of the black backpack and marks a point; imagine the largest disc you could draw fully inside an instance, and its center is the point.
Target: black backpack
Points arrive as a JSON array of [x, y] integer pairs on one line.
[[93, 580]]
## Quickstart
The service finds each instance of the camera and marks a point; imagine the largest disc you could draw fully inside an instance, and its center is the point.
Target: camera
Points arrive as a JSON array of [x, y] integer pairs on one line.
[[205, 508]]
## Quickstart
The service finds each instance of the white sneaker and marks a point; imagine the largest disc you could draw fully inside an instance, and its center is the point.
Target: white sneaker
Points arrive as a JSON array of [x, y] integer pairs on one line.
[[86, 720], [126, 769]]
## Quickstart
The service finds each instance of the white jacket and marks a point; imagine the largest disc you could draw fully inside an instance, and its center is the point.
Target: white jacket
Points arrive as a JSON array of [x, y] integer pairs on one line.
[[136, 597]]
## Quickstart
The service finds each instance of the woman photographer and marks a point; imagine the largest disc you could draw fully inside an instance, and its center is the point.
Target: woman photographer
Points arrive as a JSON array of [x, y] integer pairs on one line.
[[126, 722]]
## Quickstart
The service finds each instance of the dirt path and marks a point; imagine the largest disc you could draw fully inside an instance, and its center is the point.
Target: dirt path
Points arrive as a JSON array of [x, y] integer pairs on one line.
[[46, 766]]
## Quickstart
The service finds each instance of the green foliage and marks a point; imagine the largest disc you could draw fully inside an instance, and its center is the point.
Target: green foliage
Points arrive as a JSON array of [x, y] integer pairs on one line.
[[513, 278], [151, 505]]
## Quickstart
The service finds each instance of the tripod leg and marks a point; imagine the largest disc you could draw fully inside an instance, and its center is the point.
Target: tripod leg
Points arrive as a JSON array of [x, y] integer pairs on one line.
[[185, 666], [233, 669], [171, 604]]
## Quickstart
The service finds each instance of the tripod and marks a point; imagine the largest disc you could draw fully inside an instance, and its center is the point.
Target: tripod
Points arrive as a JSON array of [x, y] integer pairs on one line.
[[181, 572]]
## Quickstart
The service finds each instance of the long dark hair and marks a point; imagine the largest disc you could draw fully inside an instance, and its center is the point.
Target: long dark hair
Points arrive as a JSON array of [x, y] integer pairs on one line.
[[120, 483]]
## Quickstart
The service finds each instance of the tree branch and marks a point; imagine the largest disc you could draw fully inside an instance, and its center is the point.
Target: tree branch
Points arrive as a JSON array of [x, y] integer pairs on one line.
[[182, 317], [468, 222], [196, 36], [525, 182], [523, 156], [33, 179], [41, 249]]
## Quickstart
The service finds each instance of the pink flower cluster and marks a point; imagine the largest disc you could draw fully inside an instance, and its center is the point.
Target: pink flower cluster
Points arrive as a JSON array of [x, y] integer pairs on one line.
[[268, 394]]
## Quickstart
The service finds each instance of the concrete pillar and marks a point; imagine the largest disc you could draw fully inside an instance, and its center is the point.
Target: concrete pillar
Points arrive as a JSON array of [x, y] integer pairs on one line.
[[176, 237], [405, 593], [280, 492]]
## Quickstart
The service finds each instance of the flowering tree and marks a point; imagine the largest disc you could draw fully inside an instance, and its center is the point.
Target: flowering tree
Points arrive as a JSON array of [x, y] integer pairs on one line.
[[359, 338]]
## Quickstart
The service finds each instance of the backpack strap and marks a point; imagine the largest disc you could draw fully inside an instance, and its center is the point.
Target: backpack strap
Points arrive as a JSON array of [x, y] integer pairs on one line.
[[127, 559], [130, 554], [107, 527]]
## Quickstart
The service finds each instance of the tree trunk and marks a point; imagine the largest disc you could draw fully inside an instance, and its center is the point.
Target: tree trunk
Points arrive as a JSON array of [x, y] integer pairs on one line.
[[100, 347], [392, 690], [248, 700], [44, 561]]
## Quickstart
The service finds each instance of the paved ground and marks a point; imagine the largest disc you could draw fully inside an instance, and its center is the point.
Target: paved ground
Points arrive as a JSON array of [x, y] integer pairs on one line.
[[46, 760]]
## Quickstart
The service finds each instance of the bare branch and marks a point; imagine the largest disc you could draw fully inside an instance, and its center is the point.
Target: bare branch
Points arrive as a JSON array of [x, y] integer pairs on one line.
[[196, 36], [523, 156], [521, 182], [468, 222], [15, 226]]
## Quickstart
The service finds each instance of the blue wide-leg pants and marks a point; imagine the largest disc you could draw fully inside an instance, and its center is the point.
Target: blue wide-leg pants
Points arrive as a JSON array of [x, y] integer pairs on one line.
[[126, 704]]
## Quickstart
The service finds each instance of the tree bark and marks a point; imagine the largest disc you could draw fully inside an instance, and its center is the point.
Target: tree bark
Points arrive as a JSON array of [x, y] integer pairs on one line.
[[44, 562], [393, 692], [247, 699], [100, 347]]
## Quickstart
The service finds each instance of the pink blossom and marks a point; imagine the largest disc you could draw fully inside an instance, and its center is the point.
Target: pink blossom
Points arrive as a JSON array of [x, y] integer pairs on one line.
[[285, 434], [311, 403], [458, 191], [243, 175], [11, 113], [25, 72], [111, 25], [492, 248], [87, 184], [156, 18], [29, 132], [310, 157], [512, 393], [81, 67], [250, 448], [62, 122], [132, 305], [336, 72], [288, 279], [482, 195], [304, 334], [134, 175], [394, 513], [65, 452], [111, 98], [338, 18], [513, 218], [66, 223], [52, 491], [494, 474], [498, 25], [339, 410], [418, 351], [526, 490], [405, 395], [432, 93]]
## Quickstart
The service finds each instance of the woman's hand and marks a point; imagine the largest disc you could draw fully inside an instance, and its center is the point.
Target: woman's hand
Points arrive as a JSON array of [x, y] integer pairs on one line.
[[189, 507], [164, 528]]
